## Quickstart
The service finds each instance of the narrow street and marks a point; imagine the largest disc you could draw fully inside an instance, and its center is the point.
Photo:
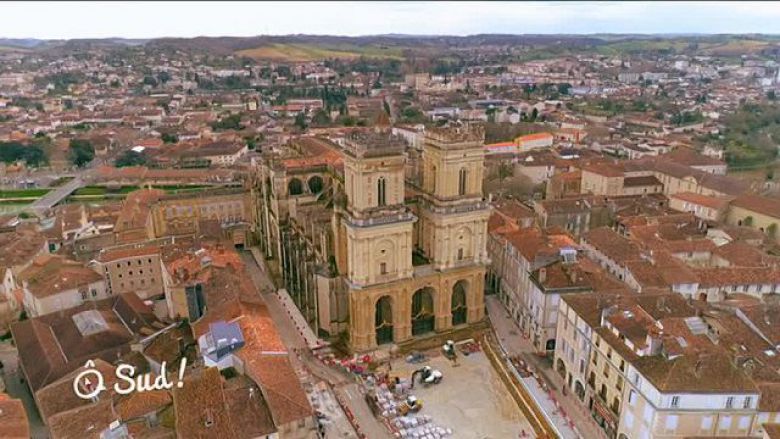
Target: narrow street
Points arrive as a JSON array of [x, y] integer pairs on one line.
[[516, 344], [14, 386], [342, 384]]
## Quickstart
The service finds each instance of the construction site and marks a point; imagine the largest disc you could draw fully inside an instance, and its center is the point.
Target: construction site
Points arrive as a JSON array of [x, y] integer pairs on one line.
[[453, 391]]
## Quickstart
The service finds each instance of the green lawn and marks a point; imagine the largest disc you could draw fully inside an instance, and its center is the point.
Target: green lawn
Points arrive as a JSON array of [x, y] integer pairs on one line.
[[24, 193]]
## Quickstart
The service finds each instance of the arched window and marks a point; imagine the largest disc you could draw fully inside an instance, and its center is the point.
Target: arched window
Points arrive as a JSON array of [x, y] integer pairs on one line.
[[295, 187], [462, 176], [381, 192]]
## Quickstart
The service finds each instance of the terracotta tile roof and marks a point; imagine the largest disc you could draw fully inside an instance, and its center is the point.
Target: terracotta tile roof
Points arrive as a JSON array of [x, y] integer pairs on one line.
[[703, 200], [604, 169], [688, 363], [58, 397], [740, 254], [315, 152], [720, 183], [664, 271], [689, 157], [514, 209], [248, 408], [713, 372], [280, 385], [84, 423], [51, 346], [51, 274], [766, 318], [497, 223], [770, 400], [260, 334], [200, 407], [759, 204], [13, 419], [772, 430], [139, 404], [735, 276], [122, 253], [167, 346], [132, 219], [614, 246], [19, 247], [590, 306], [531, 137]]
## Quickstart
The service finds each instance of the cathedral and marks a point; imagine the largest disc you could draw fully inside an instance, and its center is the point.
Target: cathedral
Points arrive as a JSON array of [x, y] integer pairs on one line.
[[390, 241]]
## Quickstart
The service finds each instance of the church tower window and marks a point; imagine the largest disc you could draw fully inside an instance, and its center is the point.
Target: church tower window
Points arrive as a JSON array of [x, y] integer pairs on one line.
[[381, 190], [462, 179]]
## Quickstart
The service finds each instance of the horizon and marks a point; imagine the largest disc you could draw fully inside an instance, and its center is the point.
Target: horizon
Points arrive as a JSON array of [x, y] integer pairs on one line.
[[402, 35], [146, 20]]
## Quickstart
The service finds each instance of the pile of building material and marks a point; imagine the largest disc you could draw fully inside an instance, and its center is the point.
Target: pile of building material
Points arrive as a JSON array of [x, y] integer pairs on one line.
[[419, 427], [407, 426]]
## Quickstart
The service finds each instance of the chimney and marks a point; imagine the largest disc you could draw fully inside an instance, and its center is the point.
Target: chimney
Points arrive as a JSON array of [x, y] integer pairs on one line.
[[572, 276], [180, 341], [542, 275]]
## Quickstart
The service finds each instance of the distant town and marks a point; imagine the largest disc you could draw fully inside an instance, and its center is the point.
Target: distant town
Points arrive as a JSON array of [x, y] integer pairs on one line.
[[492, 236]]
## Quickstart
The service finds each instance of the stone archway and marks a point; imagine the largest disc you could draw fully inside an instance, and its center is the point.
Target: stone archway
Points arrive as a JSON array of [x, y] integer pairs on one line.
[[459, 307], [316, 184], [383, 320], [423, 315], [295, 187]]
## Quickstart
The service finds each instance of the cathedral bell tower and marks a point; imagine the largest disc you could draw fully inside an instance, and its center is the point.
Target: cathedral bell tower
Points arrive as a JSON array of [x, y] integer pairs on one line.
[[377, 225], [453, 212]]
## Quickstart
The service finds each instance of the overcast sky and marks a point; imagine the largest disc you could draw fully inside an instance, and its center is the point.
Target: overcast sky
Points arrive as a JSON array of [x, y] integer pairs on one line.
[[55, 20]]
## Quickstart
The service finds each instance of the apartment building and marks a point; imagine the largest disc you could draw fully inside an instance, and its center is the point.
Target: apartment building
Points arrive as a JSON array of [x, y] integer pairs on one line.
[[182, 214], [709, 208], [52, 283], [756, 211], [133, 269], [649, 366]]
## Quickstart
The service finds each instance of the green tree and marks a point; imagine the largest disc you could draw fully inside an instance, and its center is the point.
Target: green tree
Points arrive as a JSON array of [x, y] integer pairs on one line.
[[150, 80], [231, 122], [131, 158], [348, 121], [564, 88], [320, 118], [300, 121], [163, 77], [772, 230], [169, 138], [81, 152], [32, 155]]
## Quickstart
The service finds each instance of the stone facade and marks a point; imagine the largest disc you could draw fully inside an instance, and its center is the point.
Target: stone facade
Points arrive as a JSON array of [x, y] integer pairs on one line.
[[394, 296], [405, 251]]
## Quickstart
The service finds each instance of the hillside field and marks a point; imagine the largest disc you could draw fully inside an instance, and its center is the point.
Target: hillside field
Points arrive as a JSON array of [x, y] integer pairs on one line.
[[311, 52]]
